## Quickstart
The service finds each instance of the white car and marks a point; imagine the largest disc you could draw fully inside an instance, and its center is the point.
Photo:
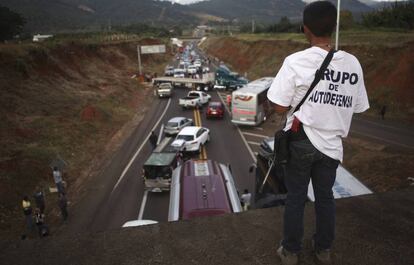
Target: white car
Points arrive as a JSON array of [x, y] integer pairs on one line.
[[192, 70], [175, 125], [197, 63], [191, 138], [179, 73]]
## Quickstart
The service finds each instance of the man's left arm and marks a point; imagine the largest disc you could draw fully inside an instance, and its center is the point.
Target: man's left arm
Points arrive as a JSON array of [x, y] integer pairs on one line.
[[282, 89]]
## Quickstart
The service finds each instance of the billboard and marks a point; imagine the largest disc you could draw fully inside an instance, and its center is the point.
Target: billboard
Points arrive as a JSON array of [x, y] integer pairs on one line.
[[148, 49]]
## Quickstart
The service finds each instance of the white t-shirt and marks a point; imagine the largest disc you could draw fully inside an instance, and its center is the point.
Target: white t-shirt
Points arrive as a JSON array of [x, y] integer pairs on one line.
[[246, 198], [327, 113]]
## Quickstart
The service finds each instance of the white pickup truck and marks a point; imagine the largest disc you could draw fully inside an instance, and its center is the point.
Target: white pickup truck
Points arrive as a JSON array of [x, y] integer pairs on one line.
[[194, 99]]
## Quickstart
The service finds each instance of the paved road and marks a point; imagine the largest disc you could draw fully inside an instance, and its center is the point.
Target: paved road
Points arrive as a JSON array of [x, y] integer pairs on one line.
[[383, 131], [117, 194]]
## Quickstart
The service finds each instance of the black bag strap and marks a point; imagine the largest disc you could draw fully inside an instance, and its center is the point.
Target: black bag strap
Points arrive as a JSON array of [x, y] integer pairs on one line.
[[318, 75]]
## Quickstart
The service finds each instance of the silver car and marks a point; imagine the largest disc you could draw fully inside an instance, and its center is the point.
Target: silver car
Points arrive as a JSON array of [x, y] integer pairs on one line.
[[175, 124]]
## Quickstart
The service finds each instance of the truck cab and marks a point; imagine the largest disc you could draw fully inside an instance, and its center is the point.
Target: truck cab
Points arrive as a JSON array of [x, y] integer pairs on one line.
[[157, 170], [225, 79]]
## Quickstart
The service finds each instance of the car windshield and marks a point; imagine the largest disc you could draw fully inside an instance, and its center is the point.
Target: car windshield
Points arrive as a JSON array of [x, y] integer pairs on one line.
[[193, 94], [165, 86], [185, 137], [172, 124]]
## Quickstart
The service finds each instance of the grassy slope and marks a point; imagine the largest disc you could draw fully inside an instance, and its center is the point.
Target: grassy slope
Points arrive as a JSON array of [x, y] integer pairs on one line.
[[388, 62], [62, 99]]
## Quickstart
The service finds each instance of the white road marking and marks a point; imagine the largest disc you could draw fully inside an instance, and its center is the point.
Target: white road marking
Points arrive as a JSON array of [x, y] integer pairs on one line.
[[258, 128], [380, 124], [253, 143], [140, 148], [256, 135], [382, 139], [241, 134], [143, 203]]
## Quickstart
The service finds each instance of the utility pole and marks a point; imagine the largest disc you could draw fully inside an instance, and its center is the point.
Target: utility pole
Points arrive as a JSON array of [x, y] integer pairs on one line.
[[253, 26], [337, 24], [139, 60]]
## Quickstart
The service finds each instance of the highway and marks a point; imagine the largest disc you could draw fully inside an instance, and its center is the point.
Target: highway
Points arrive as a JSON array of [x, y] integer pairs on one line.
[[117, 194]]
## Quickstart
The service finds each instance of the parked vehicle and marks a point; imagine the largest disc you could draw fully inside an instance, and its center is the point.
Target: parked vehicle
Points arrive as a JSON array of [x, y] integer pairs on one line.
[[206, 69], [249, 105], [164, 90], [175, 125], [169, 71], [197, 63], [194, 99], [191, 138], [273, 192], [158, 168], [192, 70], [202, 188], [215, 109], [178, 72], [225, 79]]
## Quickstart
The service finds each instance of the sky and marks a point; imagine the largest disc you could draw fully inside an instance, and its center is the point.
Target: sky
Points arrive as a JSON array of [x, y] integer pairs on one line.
[[185, 2]]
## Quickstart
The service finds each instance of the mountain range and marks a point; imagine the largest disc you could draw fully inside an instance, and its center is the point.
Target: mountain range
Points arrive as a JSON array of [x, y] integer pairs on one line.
[[44, 16]]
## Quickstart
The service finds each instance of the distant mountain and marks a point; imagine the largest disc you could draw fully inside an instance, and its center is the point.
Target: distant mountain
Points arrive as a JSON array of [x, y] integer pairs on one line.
[[269, 11], [45, 16], [56, 15], [246, 10]]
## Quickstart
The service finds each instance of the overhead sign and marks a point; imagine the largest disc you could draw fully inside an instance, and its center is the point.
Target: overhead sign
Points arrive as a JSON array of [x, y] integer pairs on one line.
[[148, 49]]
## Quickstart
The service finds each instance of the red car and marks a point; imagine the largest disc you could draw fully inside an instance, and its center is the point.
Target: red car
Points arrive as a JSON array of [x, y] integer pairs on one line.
[[215, 109]]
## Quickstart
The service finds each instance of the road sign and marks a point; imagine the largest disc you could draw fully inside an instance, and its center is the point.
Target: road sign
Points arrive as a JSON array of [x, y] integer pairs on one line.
[[148, 49]]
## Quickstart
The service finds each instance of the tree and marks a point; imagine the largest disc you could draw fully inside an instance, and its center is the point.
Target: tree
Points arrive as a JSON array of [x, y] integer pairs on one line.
[[11, 23]]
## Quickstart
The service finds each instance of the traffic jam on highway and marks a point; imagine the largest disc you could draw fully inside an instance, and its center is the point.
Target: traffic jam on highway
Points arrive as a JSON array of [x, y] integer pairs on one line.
[[180, 164]]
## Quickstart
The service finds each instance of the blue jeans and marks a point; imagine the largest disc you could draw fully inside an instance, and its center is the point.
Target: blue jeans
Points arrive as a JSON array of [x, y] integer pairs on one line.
[[306, 163]]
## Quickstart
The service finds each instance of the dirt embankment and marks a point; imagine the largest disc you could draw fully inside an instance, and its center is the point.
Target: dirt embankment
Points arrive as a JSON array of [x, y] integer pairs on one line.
[[67, 100], [388, 76]]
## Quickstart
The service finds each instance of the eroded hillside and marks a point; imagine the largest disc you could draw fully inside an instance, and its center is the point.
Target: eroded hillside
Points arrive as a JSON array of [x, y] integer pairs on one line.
[[63, 100]]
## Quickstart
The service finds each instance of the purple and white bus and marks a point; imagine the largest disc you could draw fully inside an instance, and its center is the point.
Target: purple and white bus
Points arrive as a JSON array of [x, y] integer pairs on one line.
[[202, 188]]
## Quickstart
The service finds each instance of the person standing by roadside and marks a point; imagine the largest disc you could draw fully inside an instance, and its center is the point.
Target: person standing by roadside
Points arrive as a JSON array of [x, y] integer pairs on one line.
[[27, 211], [40, 201], [63, 206], [57, 176], [153, 140], [246, 199], [228, 100], [40, 222], [317, 128]]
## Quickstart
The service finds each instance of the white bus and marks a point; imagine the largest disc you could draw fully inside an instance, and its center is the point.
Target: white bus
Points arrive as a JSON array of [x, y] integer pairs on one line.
[[249, 104]]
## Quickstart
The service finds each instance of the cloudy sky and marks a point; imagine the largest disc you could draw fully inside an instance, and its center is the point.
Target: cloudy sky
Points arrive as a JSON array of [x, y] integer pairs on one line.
[[185, 2]]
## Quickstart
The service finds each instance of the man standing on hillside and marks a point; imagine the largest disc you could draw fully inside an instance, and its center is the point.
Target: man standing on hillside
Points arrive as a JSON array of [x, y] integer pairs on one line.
[[315, 146]]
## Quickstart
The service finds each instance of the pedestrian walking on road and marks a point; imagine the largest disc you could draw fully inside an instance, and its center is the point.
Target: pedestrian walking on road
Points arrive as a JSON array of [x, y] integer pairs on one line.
[[40, 223], [40, 201], [245, 199], [28, 216], [153, 140], [383, 111], [228, 100], [63, 206], [316, 128], [57, 176]]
